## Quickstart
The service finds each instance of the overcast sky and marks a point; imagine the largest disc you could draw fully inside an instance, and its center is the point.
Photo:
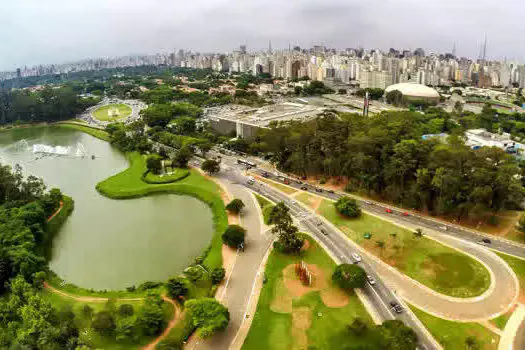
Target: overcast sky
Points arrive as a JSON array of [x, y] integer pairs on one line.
[[57, 31]]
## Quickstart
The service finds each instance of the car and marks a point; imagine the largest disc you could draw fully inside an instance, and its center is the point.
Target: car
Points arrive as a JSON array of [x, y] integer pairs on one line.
[[356, 257], [303, 177], [396, 307], [319, 223], [286, 182], [486, 241], [318, 189], [304, 188], [324, 232], [265, 174], [299, 182], [371, 280], [304, 215], [331, 191], [293, 202], [388, 210], [444, 228], [369, 203]]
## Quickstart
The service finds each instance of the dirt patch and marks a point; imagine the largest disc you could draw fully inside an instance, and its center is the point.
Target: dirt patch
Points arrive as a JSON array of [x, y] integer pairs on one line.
[[233, 219], [306, 245], [334, 297], [296, 288], [282, 299], [301, 322]]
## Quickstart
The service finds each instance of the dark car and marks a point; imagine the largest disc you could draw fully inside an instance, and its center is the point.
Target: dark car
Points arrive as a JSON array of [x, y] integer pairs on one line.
[[318, 189], [486, 241], [396, 307], [331, 191], [324, 232], [304, 188], [265, 174]]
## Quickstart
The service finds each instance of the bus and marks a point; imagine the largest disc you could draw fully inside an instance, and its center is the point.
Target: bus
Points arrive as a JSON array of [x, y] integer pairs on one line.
[[246, 162]]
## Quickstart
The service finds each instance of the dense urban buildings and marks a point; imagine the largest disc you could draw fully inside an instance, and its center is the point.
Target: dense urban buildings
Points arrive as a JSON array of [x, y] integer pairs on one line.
[[364, 68]]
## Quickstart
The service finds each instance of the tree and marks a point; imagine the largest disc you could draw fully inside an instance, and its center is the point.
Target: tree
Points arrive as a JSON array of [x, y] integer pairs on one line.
[[521, 224], [358, 327], [182, 157], [150, 317], [103, 323], [458, 107], [289, 240], [472, 343], [125, 329], [208, 316], [394, 335], [348, 207], [87, 312], [217, 275], [235, 206], [154, 164], [211, 166], [125, 310], [234, 236], [395, 97], [349, 276], [418, 233], [177, 287]]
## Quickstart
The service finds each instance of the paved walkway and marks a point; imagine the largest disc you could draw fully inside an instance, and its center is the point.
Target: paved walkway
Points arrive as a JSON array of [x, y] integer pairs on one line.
[[238, 291], [513, 336]]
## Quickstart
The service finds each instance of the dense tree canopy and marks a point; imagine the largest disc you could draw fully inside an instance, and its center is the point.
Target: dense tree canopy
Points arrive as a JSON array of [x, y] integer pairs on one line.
[[349, 276], [288, 238], [386, 156], [234, 236], [348, 207], [208, 316]]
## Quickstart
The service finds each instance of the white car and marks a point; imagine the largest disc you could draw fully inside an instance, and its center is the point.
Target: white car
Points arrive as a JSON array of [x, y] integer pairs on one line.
[[293, 202], [356, 257], [444, 228], [371, 280]]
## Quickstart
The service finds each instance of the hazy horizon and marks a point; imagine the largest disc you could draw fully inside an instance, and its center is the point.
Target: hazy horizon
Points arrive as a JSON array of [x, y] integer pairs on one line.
[[57, 31]]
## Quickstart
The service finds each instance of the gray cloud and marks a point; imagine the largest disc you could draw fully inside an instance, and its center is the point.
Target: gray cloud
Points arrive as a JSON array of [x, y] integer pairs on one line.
[[55, 31]]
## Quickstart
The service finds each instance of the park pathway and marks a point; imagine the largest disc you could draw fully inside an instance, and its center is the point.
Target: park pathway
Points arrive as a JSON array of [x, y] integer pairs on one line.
[[86, 299], [238, 290]]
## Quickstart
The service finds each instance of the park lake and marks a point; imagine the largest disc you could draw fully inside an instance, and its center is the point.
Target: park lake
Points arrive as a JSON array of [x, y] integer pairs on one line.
[[105, 243]]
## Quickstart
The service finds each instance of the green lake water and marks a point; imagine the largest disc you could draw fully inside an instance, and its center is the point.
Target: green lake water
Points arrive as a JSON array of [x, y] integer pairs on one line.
[[105, 243]]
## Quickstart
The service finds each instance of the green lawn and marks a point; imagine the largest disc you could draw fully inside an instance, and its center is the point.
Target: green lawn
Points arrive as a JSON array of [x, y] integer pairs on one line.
[[502, 320], [307, 199], [128, 184], [439, 267], [176, 175], [98, 133], [102, 112], [452, 335], [96, 340], [518, 265], [266, 208], [275, 330]]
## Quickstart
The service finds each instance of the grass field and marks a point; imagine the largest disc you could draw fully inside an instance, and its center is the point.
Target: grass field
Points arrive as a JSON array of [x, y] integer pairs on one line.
[[266, 208], [284, 321], [98, 133], [518, 265], [102, 113], [452, 335], [176, 175], [128, 184], [96, 340], [439, 267]]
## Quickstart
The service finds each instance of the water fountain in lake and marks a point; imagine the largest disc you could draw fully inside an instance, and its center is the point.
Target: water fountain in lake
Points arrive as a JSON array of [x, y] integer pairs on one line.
[[73, 151]]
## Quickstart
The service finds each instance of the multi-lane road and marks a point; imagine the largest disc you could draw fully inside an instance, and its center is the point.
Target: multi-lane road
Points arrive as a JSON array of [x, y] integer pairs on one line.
[[379, 295]]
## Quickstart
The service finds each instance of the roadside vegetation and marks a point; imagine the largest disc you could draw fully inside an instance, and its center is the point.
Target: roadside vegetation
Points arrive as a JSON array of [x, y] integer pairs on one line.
[[98, 133], [439, 267], [458, 335]]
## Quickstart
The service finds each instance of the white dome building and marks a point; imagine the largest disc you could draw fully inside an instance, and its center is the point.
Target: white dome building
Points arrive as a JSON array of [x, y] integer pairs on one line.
[[415, 92]]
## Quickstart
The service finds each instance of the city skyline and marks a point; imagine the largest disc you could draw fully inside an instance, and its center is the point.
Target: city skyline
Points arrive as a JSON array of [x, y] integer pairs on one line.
[[58, 32]]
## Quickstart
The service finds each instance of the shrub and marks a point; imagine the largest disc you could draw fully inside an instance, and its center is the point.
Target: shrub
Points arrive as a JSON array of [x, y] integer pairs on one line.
[[103, 323], [177, 287], [235, 206], [349, 276], [234, 236], [125, 310], [217, 275], [348, 207], [208, 316]]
